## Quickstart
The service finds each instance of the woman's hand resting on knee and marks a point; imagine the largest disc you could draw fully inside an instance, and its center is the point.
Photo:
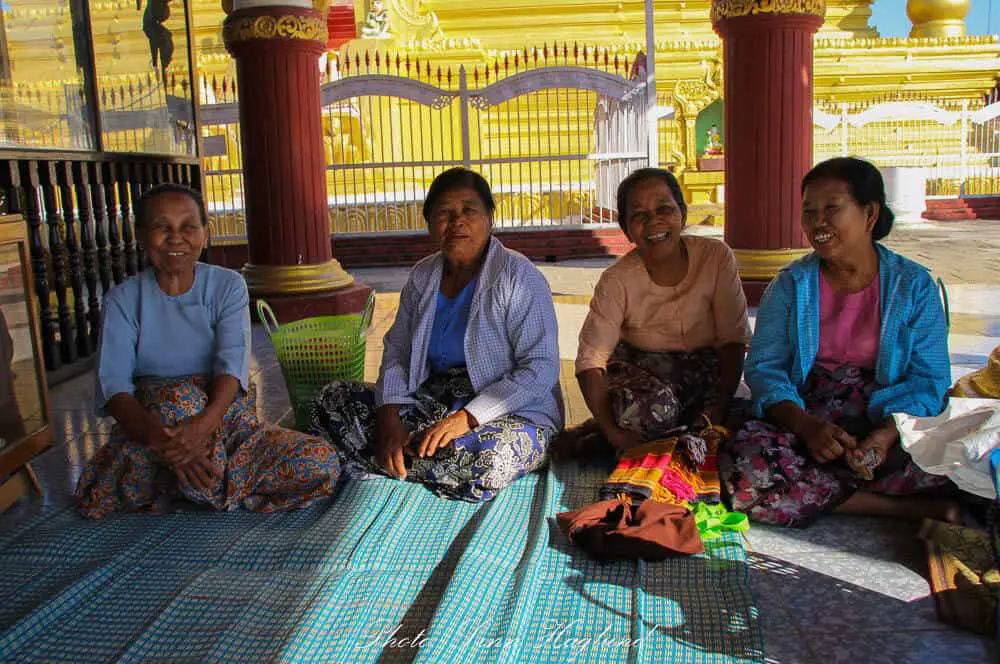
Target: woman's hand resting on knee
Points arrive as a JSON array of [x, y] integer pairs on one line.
[[444, 432], [390, 439]]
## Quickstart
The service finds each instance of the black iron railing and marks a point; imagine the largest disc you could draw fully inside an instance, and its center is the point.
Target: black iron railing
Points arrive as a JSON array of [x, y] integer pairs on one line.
[[78, 210]]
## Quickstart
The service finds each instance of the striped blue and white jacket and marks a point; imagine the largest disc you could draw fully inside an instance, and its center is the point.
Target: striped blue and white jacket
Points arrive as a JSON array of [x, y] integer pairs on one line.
[[912, 370], [511, 341]]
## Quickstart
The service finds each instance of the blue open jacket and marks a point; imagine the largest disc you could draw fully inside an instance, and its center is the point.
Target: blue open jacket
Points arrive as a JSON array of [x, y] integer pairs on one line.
[[912, 370]]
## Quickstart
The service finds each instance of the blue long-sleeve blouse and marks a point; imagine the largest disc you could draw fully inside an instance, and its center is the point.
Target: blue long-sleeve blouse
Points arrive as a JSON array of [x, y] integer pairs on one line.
[[146, 333]]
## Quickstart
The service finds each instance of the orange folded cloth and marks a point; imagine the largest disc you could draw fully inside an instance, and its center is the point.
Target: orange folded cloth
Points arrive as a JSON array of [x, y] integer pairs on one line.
[[619, 530]]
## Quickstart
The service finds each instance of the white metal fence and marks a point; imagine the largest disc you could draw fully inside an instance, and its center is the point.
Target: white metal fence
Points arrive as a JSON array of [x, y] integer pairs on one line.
[[553, 141], [956, 141]]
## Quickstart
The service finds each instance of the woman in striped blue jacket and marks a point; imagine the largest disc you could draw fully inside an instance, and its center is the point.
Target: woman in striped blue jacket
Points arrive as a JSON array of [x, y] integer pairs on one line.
[[845, 337], [468, 395]]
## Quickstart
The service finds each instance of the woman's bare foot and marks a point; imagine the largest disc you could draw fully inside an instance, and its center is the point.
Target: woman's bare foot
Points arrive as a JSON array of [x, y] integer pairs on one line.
[[864, 503], [575, 442], [951, 512]]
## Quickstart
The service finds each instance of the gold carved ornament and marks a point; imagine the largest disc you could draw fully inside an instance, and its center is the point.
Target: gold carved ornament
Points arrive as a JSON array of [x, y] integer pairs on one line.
[[289, 26], [722, 9], [296, 279], [764, 264]]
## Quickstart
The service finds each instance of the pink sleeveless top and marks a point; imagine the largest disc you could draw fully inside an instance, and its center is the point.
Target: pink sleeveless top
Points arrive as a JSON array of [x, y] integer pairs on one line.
[[849, 326]]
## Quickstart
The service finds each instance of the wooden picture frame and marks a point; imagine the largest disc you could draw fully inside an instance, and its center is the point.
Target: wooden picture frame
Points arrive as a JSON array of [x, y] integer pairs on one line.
[[17, 479]]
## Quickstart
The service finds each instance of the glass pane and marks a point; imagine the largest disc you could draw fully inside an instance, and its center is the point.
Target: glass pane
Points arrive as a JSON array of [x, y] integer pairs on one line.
[[42, 100], [20, 400], [143, 81]]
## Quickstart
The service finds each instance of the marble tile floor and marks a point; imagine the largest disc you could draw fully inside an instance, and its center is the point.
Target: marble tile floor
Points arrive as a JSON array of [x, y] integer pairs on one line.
[[843, 590]]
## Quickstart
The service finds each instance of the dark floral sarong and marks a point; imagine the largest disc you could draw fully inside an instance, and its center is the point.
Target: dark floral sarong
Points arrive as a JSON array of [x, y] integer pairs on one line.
[[653, 392], [770, 475], [474, 467], [259, 467]]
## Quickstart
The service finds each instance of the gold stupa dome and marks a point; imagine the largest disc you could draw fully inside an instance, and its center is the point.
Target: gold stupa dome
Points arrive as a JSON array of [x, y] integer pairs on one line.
[[937, 18]]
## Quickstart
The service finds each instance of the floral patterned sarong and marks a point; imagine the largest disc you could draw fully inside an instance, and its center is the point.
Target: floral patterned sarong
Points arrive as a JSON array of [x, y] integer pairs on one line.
[[770, 475], [653, 392], [474, 467], [259, 466]]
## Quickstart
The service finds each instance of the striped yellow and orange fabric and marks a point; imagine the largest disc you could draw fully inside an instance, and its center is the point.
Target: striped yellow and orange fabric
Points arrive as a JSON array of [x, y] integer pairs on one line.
[[661, 471]]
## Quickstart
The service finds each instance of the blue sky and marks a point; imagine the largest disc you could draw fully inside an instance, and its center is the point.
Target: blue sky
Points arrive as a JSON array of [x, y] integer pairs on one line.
[[889, 17]]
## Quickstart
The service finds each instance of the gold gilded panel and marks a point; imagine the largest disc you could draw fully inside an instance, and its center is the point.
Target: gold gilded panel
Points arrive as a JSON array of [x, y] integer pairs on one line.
[[722, 9]]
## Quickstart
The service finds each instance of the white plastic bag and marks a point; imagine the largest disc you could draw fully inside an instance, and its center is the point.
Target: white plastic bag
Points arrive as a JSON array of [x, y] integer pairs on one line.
[[956, 443]]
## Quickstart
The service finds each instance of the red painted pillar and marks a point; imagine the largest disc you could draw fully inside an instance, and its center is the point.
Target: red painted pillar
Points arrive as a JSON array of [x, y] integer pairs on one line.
[[768, 59], [277, 50]]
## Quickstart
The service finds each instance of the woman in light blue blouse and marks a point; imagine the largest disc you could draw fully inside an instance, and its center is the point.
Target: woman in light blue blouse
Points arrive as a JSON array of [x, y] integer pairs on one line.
[[468, 395], [173, 371]]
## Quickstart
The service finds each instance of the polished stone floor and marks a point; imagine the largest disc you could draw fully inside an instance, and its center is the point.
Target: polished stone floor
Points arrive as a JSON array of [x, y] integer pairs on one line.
[[844, 590]]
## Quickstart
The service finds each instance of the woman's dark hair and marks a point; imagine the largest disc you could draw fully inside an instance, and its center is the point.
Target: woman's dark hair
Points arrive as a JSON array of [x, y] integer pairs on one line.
[[865, 183], [142, 204], [454, 179], [629, 183]]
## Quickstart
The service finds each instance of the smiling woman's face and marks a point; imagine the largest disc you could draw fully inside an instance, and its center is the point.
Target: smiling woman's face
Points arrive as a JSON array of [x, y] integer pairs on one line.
[[460, 225], [835, 224], [172, 233], [653, 218]]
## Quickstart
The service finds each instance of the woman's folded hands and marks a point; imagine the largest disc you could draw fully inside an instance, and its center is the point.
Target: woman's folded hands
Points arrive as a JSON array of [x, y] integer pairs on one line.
[[186, 447]]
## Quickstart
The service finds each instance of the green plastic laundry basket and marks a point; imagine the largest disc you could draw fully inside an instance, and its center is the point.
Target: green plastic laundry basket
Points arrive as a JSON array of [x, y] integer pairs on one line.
[[314, 351]]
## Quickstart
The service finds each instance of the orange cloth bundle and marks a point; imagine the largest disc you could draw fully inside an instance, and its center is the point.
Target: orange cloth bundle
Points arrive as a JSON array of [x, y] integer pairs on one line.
[[645, 512], [620, 530]]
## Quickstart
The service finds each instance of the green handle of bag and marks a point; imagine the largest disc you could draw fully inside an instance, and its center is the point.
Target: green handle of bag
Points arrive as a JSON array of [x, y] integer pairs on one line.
[[270, 322], [367, 314], [712, 520], [267, 317]]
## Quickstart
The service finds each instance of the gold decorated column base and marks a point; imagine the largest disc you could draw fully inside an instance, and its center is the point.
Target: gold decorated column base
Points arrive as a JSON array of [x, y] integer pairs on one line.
[[764, 264], [296, 279]]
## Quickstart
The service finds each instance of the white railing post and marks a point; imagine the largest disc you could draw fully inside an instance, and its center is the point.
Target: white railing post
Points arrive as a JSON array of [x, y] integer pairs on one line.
[[843, 129], [463, 100], [964, 169], [652, 131]]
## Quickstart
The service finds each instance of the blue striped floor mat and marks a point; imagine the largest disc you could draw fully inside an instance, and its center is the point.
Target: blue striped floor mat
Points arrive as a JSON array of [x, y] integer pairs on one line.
[[385, 572]]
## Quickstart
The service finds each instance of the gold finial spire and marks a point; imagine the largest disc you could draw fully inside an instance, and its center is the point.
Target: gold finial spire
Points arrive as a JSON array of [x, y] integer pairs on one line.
[[937, 18]]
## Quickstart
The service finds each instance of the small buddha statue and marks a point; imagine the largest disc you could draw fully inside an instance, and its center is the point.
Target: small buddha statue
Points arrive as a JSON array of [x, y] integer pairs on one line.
[[713, 143], [377, 22]]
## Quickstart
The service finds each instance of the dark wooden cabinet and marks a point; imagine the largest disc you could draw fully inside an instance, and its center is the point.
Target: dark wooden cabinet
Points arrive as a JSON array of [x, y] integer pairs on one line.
[[25, 426]]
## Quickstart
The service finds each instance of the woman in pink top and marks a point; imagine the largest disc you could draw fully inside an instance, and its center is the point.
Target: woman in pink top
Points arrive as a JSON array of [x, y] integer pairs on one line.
[[664, 341], [846, 337]]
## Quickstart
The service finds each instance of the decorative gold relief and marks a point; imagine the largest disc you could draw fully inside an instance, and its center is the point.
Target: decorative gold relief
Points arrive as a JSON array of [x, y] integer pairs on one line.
[[689, 98], [734, 8], [289, 26], [293, 279], [764, 264]]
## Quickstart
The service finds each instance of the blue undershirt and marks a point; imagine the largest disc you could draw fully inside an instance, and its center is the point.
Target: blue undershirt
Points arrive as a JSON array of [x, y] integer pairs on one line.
[[446, 349]]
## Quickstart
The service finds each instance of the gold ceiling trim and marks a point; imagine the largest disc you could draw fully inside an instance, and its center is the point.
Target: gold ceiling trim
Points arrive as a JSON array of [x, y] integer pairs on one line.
[[287, 26], [723, 9]]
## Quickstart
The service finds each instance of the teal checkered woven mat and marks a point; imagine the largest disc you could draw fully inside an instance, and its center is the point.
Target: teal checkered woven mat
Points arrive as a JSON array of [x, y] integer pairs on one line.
[[386, 572]]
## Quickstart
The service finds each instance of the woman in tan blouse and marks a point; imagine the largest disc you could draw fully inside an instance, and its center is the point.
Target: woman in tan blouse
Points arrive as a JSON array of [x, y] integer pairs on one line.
[[664, 341]]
